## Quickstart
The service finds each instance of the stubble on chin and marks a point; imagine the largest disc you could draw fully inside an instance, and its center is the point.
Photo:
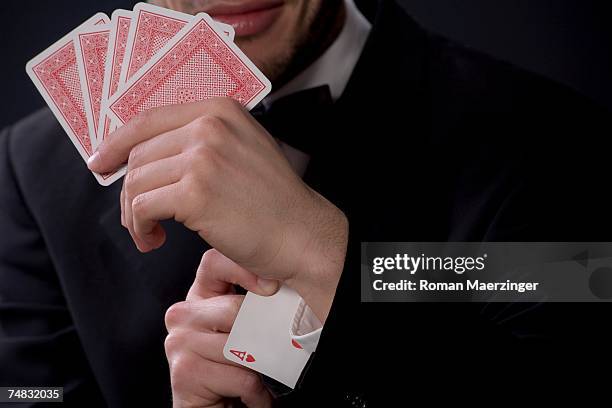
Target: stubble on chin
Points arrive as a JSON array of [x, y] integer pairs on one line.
[[322, 25]]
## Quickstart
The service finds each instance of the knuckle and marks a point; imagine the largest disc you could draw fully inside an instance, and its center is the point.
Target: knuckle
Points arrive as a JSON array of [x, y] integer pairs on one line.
[[198, 125], [198, 128], [200, 154], [131, 179], [222, 106], [227, 103], [208, 122], [210, 130], [135, 154], [140, 205], [181, 369], [176, 314], [209, 260], [192, 202], [172, 344]]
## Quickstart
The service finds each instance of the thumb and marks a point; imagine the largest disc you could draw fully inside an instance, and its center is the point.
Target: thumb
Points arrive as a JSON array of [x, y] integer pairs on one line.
[[217, 274]]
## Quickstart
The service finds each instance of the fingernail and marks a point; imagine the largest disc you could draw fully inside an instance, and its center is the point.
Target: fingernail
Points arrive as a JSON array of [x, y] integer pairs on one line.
[[267, 285], [93, 159]]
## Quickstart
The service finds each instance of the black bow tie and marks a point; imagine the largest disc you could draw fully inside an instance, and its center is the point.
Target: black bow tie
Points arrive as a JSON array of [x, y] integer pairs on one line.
[[295, 118]]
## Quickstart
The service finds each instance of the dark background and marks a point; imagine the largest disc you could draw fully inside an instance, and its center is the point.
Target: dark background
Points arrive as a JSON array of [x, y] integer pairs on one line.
[[567, 40]]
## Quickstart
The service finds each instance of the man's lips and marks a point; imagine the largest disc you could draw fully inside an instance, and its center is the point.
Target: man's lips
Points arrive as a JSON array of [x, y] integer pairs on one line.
[[248, 19]]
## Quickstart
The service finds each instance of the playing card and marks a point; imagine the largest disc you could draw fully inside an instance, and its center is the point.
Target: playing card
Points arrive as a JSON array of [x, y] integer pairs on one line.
[[197, 64], [91, 45], [55, 75], [152, 28], [227, 30], [120, 27], [118, 41], [261, 337]]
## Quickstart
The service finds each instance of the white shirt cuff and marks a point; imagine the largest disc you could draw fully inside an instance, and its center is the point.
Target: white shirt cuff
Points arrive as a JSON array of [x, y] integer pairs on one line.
[[306, 328]]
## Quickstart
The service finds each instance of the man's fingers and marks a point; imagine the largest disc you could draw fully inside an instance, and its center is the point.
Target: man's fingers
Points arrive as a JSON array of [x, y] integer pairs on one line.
[[153, 175], [239, 382], [194, 347], [217, 273], [121, 202], [127, 222], [149, 208], [206, 345], [114, 151], [160, 147], [146, 178], [191, 375], [209, 315]]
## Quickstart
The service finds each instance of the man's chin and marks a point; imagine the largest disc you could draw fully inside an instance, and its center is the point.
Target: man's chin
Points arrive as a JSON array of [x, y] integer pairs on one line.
[[274, 67]]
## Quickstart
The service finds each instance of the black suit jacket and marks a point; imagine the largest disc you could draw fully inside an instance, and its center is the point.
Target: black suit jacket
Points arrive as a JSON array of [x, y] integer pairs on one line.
[[430, 142]]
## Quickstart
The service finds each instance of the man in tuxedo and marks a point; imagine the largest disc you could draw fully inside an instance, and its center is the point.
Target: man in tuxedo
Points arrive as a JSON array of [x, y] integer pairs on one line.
[[397, 134]]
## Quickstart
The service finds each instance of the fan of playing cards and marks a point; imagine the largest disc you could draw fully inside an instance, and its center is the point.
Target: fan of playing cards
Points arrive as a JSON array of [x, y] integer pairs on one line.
[[106, 71]]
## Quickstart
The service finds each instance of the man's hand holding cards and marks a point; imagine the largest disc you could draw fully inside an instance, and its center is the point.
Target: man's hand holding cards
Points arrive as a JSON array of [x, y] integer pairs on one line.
[[163, 97], [107, 71], [222, 175]]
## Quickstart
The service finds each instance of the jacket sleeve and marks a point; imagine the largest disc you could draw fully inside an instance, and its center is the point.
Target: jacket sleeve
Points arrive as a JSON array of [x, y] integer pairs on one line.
[[38, 342]]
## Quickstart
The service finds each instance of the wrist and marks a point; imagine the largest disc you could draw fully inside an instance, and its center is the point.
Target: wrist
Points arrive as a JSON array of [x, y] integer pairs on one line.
[[321, 260]]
